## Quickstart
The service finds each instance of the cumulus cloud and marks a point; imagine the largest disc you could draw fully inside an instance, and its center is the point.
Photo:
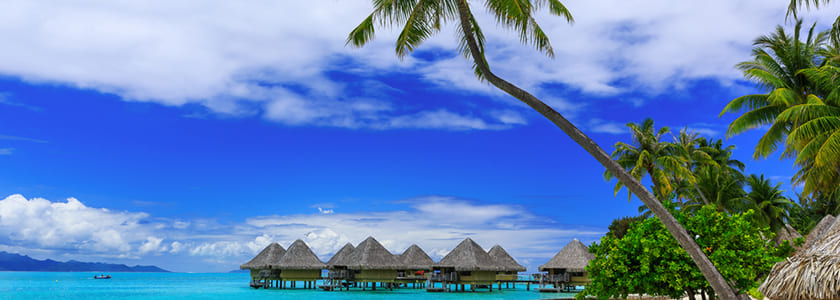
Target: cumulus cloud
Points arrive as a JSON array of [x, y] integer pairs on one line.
[[70, 224], [152, 244], [176, 247], [276, 60]]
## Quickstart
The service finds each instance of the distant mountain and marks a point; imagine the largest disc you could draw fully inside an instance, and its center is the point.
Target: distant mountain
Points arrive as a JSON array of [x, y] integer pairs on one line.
[[240, 271], [17, 262]]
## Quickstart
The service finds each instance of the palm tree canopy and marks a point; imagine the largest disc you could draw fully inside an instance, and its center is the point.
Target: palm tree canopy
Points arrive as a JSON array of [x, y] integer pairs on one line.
[[795, 5], [771, 206], [421, 19], [777, 61], [650, 156]]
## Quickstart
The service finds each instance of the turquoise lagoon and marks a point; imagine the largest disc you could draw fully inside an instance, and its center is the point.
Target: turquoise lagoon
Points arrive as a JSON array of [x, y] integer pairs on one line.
[[126, 286]]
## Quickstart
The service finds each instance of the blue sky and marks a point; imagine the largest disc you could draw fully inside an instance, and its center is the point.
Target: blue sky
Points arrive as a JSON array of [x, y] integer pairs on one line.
[[192, 135]]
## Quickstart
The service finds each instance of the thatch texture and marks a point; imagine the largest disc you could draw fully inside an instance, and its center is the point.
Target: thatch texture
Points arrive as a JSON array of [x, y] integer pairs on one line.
[[469, 256], [787, 233], [415, 258], [270, 254], [574, 257], [299, 257], [504, 259], [818, 230], [811, 274], [340, 257], [371, 255]]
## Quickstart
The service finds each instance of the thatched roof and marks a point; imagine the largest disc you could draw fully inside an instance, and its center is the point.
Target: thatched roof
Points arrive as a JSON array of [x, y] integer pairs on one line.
[[339, 258], [469, 256], [573, 257], [270, 254], [415, 258], [787, 233], [818, 230], [505, 260], [371, 255], [299, 257], [812, 274]]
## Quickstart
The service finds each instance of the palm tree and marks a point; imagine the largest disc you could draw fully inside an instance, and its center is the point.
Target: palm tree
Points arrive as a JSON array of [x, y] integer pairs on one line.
[[420, 19], [721, 156], [815, 137], [771, 207], [794, 6], [777, 61], [649, 156], [685, 145], [722, 188]]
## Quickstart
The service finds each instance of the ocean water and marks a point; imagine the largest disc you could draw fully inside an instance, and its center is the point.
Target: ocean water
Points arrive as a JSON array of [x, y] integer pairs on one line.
[[128, 286]]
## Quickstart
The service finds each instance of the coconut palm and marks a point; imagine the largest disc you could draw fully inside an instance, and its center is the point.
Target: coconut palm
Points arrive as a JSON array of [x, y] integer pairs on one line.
[[771, 207], [420, 19], [777, 61], [720, 156], [685, 144], [815, 137], [794, 6], [649, 156]]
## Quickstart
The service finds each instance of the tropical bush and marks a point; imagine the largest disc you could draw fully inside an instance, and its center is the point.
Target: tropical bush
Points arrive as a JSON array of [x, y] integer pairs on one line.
[[647, 260]]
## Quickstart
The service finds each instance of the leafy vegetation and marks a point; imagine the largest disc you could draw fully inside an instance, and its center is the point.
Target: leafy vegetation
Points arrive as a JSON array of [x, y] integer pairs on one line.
[[619, 227], [801, 111], [647, 260]]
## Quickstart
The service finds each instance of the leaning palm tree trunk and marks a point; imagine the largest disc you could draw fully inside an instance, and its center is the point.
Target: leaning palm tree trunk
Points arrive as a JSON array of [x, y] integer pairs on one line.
[[708, 269]]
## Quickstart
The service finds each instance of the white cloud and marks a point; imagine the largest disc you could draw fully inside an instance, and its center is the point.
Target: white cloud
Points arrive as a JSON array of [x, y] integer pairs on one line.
[[6, 151], [325, 211], [43, 223], [440, 119], [176, 247], [509, 117], [224, 245], [273, 59], [180, 224], [152, 244], [706, 131], [602, 126]]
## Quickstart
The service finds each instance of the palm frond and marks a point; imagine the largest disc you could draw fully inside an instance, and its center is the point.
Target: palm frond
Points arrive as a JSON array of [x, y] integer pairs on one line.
[[419, 26]]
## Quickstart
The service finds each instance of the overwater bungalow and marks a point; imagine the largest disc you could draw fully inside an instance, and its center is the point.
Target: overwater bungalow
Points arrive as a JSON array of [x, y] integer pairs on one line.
[[567, 268], [338, 273], [260, 266], [809, 274], [511, 268], [371, 263], [340, 255], [416, 265], [299, 263], [469, 264]]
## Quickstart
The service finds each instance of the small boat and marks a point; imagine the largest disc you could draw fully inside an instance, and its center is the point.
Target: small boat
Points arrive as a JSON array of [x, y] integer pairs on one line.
[[102, 277]]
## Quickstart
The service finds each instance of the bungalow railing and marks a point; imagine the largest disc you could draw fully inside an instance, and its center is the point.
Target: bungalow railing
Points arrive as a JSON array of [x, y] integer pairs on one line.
[[438, 277], [555, 278], [507, 277], [340, 274]]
